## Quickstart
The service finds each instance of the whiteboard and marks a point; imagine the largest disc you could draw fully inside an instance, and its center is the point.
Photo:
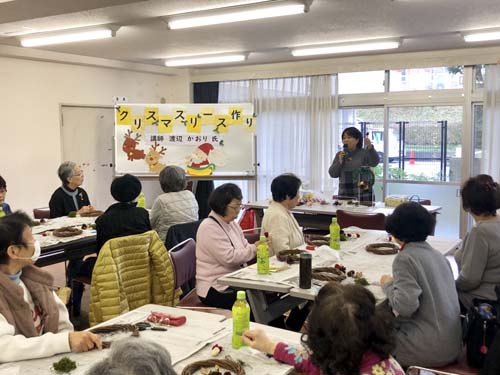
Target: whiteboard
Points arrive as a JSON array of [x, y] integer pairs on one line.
[[211, 140], [87, 139]]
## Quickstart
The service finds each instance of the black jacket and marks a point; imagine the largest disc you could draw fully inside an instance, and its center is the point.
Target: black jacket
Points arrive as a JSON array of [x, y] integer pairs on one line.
[[121, 219], [61, 204]]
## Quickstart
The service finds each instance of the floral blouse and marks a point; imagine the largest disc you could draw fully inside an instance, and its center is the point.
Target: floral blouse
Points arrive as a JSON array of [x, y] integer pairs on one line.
[[371, 364]]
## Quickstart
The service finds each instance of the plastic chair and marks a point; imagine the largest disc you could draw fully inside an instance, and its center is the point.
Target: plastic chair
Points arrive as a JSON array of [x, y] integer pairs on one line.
[[364, 221], [41, 213], [184, 259]]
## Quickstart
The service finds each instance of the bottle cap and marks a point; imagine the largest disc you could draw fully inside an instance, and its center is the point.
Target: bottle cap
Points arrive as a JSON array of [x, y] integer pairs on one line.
[[263, 238], [334, 219], [241, 294]]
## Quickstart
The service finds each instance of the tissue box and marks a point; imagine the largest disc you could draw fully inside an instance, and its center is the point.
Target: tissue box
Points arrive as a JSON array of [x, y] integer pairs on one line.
[[395, 200]]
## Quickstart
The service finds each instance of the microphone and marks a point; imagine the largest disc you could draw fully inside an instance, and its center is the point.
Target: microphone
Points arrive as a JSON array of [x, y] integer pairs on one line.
[[344, 150]]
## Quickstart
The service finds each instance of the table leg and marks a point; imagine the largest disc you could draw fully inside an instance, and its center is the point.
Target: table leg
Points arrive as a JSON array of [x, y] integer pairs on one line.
[[265, 312], [259, 214]]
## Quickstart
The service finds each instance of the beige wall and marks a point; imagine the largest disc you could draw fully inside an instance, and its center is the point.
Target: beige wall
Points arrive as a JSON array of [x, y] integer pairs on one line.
[[30, 96]]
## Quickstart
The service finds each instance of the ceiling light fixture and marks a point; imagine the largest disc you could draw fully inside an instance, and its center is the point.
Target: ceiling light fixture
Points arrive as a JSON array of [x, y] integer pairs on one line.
[[208, 59], [481, 35], [266, 9], [68, 36], [362, 46]]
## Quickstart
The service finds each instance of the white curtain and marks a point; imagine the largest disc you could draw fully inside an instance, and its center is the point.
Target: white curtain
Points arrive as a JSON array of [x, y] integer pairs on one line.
[[296, 128], [490, 161]]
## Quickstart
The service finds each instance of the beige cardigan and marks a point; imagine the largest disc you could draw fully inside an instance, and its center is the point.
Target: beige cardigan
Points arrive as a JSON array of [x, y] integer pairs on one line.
[[283, 228]]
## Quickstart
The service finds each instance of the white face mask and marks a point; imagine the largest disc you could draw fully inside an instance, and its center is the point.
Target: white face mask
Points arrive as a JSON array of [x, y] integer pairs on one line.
[[36, 254]]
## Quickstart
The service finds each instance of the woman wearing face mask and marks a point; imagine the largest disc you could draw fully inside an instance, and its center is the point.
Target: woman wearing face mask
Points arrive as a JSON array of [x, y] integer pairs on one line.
[[34, 322], [352, 166]]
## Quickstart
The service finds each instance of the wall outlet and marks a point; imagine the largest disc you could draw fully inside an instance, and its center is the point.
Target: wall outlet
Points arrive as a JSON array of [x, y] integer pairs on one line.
[[120, 99]]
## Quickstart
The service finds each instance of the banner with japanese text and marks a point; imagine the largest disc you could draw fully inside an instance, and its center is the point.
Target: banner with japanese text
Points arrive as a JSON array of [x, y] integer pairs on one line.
[[203, 139]]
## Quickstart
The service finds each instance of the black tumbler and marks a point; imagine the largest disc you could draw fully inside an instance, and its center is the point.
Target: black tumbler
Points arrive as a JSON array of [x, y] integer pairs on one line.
[[305, 271]]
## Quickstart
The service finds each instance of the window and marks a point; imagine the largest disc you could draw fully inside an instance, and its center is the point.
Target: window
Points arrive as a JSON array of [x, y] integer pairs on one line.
[[361, 82], [479, 71], [428, 140], [426, 79]]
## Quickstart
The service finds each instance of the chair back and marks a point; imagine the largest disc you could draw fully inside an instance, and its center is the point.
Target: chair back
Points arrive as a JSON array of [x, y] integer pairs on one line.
[[364, 221], [180, 232], [184, 259], [41, 213], [131, 271]]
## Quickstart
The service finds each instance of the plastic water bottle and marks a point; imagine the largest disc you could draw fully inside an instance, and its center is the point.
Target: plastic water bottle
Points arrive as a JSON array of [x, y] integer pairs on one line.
[[262, 257], [334, 234], [241, 319], [2, 212], [141, 201]]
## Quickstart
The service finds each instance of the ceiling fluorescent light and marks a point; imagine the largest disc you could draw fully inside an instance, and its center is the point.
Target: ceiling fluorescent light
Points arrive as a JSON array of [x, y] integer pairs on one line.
[[482, 36], [201, 60], [68, 37], [345, 48], [239, 13]]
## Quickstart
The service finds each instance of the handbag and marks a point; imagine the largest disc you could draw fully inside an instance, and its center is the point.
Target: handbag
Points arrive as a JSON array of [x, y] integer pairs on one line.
[[479, 328]]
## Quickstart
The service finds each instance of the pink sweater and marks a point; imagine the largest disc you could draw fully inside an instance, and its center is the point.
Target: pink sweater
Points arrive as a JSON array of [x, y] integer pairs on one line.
[[371, 364], [215, 255]]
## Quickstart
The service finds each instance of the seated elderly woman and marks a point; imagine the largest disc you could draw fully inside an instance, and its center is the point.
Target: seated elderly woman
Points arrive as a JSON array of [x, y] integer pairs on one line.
[[34, 322], [221, 247], [176, 205], [70, 196], [278, 221], [421, 293], [135, 357], [479, 258]]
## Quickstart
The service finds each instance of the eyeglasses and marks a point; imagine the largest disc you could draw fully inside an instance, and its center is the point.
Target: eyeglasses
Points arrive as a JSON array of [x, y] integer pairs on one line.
[[239, 207]]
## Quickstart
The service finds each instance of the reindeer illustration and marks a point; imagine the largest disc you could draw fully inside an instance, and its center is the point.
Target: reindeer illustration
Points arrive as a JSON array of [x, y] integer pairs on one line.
[[129, 147], [153, 158]]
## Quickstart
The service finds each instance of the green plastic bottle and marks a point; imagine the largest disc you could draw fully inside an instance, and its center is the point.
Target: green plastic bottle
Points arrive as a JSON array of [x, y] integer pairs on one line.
[[262, 257], [334, 234], [141, 201], [241, 319], [2, 213]]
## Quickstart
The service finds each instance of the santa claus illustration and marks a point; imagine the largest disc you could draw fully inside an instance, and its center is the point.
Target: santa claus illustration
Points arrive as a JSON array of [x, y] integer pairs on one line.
[[199, 157], [204, 160]]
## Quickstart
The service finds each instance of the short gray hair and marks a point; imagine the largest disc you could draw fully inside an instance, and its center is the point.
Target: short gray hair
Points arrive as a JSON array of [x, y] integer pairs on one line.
[[133, 356], [172, 179], [66, 170]]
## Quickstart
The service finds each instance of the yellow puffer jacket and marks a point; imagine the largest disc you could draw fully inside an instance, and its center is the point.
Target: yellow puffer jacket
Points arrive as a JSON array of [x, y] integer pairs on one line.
[[130, 272]]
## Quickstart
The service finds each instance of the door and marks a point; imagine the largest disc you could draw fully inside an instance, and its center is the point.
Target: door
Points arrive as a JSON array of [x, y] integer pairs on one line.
[[87, 139]]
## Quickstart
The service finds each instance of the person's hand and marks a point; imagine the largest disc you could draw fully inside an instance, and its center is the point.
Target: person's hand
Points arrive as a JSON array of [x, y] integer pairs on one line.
[[385, 279], [84, 341], [91, 208], [257, 339], [84, 209], [368, 142], [269, 241], [341, 156]]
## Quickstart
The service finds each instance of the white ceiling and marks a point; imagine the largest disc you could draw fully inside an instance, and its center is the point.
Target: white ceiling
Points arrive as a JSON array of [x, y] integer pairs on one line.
[[144, 37]]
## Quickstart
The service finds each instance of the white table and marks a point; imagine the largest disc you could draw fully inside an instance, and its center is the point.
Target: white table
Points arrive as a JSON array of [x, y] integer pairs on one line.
[[352, 255], [59, 249], [320, 215], [186, 344]]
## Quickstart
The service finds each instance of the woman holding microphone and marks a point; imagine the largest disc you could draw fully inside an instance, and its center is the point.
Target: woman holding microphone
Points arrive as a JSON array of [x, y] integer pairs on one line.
[[352, 166]]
